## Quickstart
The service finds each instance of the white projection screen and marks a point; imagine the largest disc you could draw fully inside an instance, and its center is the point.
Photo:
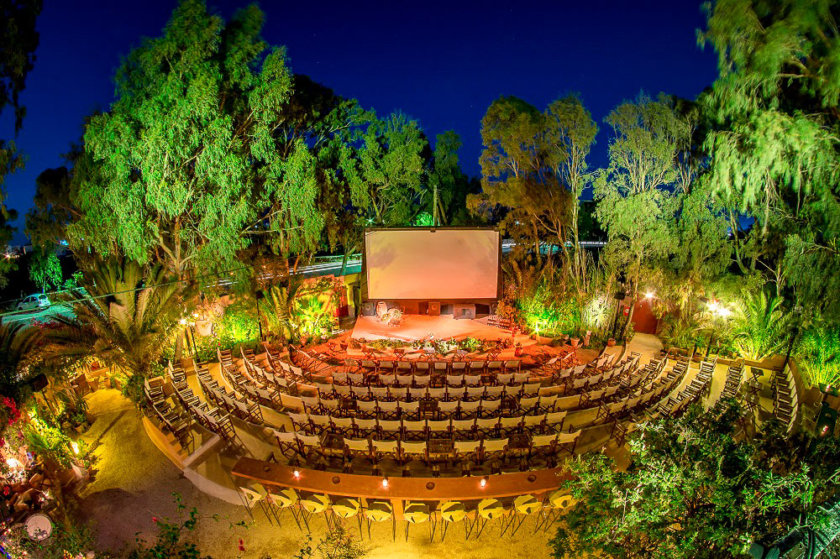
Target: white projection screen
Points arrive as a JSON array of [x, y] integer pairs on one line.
[[433, 264]]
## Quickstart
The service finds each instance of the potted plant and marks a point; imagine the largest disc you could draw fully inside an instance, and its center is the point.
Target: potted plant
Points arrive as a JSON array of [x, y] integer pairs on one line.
[[575, 341]]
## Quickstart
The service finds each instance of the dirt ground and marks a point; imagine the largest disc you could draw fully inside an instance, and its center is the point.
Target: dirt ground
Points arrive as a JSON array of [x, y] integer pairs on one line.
[[134, 482]]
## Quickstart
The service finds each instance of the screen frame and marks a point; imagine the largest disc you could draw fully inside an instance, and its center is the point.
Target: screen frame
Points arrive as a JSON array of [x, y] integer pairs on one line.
[[364, 271]]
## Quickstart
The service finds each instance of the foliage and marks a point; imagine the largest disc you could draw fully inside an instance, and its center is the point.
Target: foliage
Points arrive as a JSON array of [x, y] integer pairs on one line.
[[45, 269], [818, 354], [336, 544], [447, 187], [759, 326], [18, 43], [237, 325], [66, 540], [774, 145], [124, 318], [189, 160], [17, 345], [519, 165], [636, 204], [170, 538], [574, 133], [46, 439], [300, 308], [549, 315], [381, 161], [695, 489]]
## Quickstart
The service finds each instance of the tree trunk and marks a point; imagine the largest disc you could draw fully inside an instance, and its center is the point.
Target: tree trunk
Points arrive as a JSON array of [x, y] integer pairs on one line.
[[632, 300]]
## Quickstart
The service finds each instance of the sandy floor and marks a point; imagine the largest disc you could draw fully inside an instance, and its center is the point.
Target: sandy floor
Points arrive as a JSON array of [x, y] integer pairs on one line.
[[134, 482]]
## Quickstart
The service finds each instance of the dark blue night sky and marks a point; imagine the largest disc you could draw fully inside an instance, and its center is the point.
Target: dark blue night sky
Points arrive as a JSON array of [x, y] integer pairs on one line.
[[442, 63]]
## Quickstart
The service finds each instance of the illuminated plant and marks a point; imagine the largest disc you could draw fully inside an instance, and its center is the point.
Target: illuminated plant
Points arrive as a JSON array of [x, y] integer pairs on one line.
[[758, 326], [819, 355]]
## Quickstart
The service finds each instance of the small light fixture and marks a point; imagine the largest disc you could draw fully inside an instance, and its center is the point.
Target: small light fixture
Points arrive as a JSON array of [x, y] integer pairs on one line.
[[483, 482], [385, 483], [75, 446], [650, 295], [296, 474], [183, 321]]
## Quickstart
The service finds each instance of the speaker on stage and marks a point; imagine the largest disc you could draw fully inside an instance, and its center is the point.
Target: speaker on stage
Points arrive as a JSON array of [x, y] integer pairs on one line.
[[434, 308]]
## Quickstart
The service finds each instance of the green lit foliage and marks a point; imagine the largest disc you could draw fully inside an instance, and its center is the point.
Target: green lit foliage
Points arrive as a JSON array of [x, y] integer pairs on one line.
[[519, 168], [818, 354], [774, 148], [549, 315], [300, 309], [313, 315], [189, 158], [238, 325], [48, 440], [424, 219], [636, 204], [125, 318], [695, 489], [573, 131], [45, 269], [382, 164], [759, 325]]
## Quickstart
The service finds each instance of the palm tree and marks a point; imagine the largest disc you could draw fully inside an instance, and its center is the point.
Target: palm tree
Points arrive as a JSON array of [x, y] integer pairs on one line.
[[819, 352], [759, 326], [124, 318], [16, 345]]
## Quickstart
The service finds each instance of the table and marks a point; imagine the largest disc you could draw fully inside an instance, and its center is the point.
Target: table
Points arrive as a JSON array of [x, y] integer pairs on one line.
[[38, 527]]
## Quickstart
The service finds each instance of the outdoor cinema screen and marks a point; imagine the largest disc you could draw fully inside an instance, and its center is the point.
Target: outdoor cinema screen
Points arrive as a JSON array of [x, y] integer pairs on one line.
[[433, 264]]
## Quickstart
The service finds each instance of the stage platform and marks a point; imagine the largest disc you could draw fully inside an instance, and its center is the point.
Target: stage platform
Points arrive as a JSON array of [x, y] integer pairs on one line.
[[418, 327]]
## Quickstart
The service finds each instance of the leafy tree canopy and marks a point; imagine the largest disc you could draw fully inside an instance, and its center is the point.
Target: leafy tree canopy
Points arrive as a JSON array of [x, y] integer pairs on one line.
[[193, 159], [696, 488], [45, 269], [775, 144]]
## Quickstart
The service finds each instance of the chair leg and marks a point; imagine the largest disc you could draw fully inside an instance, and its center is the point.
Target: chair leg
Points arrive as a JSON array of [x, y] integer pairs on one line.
[[295, 516]]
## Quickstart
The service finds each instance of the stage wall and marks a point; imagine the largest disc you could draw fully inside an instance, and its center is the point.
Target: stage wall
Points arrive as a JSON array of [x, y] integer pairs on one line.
[[439, 264]]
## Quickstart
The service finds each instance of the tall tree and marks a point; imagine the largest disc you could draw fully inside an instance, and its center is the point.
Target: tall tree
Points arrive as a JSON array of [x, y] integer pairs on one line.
[[45, 269], [447, 186], [125, 317], [519, 167], [382, 164], [18, 42], [572, 131], [188, 156], [774, 148], [636, 203]]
